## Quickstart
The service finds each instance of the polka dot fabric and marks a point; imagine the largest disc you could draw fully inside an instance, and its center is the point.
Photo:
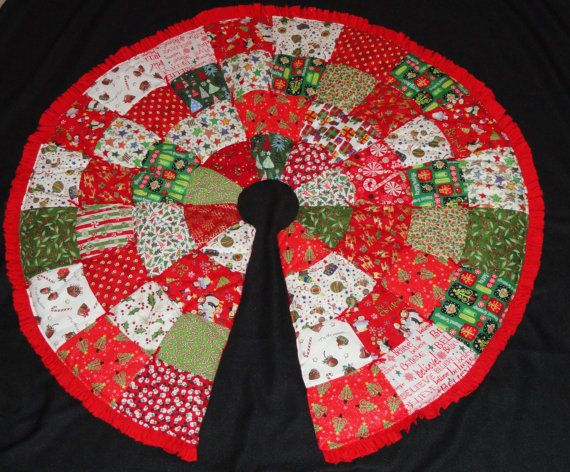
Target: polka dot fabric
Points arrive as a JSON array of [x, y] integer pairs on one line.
[[409, 177]]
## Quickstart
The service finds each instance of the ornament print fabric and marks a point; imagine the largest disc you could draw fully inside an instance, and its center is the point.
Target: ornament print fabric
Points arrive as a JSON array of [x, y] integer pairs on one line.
[[411, 257]]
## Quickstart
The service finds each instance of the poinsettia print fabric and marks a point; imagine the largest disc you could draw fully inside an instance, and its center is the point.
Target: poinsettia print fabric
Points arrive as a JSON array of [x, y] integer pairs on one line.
[[418, 222]]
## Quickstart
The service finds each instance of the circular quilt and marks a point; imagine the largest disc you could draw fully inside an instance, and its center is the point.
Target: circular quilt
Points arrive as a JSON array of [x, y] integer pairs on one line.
[[408, 264]]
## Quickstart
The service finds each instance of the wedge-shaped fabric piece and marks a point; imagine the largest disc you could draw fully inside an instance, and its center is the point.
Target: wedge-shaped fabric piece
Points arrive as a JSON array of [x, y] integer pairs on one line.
[[208, 187], [328, 223], [232, 248], [331, 188]]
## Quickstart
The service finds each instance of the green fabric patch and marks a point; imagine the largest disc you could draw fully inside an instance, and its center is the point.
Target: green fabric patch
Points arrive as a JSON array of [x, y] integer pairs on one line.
[[270, 152], [47, 239], [296, 75], [208, 187], [496, 241], [194, 345], [438, 183], [328, 223]]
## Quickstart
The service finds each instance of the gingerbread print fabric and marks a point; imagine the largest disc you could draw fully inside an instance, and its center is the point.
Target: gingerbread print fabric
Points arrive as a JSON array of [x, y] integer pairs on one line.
[[418, 221]]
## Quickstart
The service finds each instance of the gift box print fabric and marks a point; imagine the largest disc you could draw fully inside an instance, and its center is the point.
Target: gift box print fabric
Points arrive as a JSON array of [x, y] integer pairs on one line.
[[408, 266]]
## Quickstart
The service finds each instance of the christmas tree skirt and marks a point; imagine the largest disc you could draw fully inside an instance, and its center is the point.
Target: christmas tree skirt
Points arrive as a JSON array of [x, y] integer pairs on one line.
[[408, 265]]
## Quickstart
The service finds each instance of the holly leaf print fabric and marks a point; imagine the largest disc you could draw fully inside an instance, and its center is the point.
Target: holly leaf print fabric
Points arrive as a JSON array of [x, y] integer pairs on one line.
[[330, 188], [328, 223], [162, 235], [328, 351], [62, 303]]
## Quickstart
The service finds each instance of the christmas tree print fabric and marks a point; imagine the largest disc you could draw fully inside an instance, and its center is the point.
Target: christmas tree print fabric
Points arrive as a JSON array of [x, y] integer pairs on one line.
[[402, 265]]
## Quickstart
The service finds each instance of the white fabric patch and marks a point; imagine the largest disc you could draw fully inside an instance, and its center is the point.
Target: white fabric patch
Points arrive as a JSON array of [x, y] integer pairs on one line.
[[247, 72], [232, 248], [330, 188]]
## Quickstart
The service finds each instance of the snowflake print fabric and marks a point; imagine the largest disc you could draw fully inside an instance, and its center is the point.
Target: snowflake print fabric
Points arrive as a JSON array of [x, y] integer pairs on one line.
[[407, 267]]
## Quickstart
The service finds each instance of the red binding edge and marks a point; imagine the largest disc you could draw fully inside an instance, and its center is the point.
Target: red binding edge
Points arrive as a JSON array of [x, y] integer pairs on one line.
[[358, 447]]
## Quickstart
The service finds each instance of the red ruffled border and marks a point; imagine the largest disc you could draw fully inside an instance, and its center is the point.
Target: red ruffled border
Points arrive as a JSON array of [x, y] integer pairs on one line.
[[357, 448]]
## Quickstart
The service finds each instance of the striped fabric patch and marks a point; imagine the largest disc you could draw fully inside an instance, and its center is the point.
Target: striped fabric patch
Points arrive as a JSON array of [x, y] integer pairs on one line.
[[101, 227]]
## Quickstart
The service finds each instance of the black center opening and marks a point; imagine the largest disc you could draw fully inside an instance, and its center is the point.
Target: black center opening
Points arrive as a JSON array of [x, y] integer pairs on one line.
[[268, 205]]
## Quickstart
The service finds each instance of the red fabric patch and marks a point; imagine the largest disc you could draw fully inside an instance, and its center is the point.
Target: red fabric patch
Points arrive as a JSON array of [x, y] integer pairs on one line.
[[468, 127], [166, 399], [83, 125], [207, 221], [103, 182], [371, 54], [233, 37], [236, 163], [353, 407], [103, 358], [115, 274], [375, 237], [205, 288], [421, 279], [304, 162], [299, 249], [270, 112], [159, 111], [377, 321], [386, 108]]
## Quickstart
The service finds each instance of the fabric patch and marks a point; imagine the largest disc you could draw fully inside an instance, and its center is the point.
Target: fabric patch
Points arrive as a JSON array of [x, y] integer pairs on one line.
[[429, 350], [330, 188], [47, 239], [341, 135], [328, 351], [375, 236], [441, 232], [166, 175], [386, 109], [104, 359], [419, 141], [270, 112], [345, 87], [270, 152], [328, 223], [494, 180], [299, 249], [241, 35], [159, 111], [103, 182], [126, 83], [303, 37], [474, 307], [375, 183], [145, 316], [425, 84], [305, 162], [179, 54], [100, 227], [207, 187], [125, 143], [202, 87], [115, 274], [374, 55], [247, 72], [168, 400], [54, 182], [83, 125], [203, 288], [204, 222], [62, 303], [438, 183], [232, 248], [194, 345], [420, 279], [236, 163], [354, 407], [496, 241], [162, 235], [325, 290], [468, 126], [296, 75], [212, 129]]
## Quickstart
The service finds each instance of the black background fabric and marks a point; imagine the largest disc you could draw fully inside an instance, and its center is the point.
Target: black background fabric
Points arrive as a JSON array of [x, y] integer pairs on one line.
[[258, 420]]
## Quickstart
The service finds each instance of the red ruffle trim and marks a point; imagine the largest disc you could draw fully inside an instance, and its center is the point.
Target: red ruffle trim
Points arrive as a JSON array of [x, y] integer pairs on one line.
[[359, 447]]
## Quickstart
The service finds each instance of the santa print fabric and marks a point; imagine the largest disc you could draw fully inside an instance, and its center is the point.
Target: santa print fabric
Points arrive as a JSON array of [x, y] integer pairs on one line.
[[401, 264]]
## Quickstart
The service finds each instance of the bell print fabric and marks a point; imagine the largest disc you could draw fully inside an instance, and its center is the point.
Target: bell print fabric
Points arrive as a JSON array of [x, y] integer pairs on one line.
[[330, 188], [63, 304], [328, 351]]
